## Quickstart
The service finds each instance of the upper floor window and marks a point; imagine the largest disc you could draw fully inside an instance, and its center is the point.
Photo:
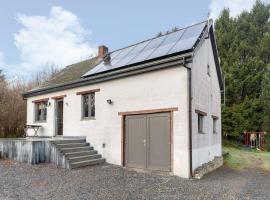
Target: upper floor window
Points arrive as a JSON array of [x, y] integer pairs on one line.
[[88, 105], [41, 111]]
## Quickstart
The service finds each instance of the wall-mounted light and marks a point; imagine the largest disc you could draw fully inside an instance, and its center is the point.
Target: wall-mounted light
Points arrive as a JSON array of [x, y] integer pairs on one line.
[[49, 104], [109, 101], [66, 103]]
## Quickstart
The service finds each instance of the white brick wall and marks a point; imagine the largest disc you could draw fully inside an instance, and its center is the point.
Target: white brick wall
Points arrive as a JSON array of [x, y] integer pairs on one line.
[[206, 97], [160, 89]]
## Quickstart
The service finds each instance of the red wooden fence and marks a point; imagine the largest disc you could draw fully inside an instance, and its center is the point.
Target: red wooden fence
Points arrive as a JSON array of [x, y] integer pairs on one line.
[[255, 140]]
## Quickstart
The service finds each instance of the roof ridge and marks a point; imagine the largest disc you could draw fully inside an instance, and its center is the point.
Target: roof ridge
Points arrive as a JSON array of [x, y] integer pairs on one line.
[[159, 36]]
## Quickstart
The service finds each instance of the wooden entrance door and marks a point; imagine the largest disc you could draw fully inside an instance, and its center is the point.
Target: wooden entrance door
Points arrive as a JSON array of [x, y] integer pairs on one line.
[[59, 116]]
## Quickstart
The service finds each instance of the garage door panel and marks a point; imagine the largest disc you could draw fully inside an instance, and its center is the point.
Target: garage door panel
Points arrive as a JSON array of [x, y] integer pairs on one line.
[[136, 129], [147, 140], [158, 153]]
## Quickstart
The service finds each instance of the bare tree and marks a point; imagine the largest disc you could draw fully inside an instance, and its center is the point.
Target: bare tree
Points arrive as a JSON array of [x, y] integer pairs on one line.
[[12, 105]]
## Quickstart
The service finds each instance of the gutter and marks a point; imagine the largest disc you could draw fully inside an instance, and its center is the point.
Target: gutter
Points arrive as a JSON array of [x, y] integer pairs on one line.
[[189, 118]]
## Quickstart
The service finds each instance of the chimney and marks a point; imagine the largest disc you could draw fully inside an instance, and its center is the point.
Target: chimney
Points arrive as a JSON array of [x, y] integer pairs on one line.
[[102, 51]]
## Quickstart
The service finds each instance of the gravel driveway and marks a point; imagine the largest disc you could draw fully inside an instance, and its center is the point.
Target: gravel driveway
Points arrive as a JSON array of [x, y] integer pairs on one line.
[[45, 181]]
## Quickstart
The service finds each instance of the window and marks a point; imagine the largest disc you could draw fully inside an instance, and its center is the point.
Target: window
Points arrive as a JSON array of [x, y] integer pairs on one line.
[[88, 106], [41, 111], [208, 70], [201, 116], [215, 119], [200, 123]]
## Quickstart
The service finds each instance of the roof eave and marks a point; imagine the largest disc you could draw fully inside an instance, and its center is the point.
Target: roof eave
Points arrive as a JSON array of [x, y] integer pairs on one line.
[[216, 57]]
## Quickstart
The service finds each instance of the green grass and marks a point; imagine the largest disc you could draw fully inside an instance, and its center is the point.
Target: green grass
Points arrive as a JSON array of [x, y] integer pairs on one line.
[[241, 158]]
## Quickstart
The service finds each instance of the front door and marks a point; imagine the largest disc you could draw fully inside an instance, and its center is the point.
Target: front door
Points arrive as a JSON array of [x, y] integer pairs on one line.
[[147, 141], [59, 117]]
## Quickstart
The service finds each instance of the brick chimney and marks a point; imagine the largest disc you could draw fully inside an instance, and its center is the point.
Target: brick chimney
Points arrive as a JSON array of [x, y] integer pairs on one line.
[[102, 51]]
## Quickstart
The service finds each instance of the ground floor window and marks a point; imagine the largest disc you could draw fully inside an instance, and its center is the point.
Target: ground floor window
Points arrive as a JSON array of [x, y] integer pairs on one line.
[[215, 120], [41, 111], [200, 123], [88, 106], [201, 116]]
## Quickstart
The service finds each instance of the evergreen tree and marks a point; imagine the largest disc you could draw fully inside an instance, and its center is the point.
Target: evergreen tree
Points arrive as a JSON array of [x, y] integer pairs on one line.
[[244, 48]]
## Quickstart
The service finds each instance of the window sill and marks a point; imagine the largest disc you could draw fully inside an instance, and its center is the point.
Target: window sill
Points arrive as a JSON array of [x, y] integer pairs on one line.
[[40, 122], [200, 132], [88, 119]]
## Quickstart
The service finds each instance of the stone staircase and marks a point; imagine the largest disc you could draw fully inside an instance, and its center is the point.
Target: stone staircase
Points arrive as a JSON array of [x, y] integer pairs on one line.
[[78, 153]]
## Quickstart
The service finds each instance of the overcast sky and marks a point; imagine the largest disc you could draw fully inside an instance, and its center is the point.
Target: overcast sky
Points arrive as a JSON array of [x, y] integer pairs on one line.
[[35, 34]]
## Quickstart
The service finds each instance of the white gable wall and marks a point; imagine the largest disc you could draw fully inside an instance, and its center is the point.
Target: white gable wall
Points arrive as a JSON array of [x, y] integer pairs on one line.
[[206, 98], [154, 90]]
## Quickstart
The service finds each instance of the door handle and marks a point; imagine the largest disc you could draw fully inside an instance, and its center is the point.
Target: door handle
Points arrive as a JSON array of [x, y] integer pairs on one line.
[[144, 142]]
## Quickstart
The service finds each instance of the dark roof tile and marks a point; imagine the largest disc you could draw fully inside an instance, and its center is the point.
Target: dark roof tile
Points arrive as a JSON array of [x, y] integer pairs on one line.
[[71, 73]]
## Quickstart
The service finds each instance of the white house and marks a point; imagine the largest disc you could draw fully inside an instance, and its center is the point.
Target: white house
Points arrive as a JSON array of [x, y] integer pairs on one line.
[[153, 105]]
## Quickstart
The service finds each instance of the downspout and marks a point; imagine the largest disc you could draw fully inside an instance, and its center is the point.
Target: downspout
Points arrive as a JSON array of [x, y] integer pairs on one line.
[[190, 117]]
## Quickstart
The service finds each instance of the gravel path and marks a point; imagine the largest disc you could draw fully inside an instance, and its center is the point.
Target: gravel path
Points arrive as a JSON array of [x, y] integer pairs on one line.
[[45, 181]]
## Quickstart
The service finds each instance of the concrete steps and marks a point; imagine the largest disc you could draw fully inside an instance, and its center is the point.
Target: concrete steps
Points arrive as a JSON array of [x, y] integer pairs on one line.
[[82, 158], [76, 149], [87, 163], [61, 141], [70, 145], [78, 153]]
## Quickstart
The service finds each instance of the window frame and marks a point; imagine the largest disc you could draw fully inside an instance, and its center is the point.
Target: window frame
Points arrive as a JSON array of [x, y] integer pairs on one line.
[[200, 121], [208, 70], [36, 104], [89, 106], [215, 120]]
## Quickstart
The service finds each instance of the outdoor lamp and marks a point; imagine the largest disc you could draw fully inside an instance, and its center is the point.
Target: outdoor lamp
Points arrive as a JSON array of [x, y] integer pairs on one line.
[[109, 101]]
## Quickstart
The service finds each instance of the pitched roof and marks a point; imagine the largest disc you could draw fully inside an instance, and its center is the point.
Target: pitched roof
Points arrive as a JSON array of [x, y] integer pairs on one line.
[[71, 73], [172, 43], [141, 57]]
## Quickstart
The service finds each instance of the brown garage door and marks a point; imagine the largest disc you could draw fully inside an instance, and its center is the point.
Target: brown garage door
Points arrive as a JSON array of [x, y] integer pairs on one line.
[[148, 141]]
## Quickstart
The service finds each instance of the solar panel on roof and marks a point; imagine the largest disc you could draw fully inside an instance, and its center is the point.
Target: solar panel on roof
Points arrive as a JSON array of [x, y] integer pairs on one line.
[[99, 66], [122, 55], [105, 67], [166, 45], [135, 51], [174, 42], [153, 44], [188, 39]]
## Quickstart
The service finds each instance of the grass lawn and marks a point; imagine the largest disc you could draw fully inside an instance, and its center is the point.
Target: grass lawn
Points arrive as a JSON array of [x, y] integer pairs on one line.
[[241, 158]]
